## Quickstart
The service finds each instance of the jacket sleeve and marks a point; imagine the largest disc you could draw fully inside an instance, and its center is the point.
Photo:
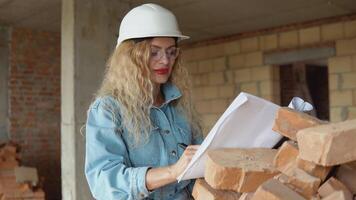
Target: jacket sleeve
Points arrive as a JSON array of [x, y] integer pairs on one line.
[[107, 165], [197, 139]]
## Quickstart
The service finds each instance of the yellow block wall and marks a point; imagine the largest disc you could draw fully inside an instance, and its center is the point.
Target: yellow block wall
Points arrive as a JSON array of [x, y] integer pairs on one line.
[[220, 71]]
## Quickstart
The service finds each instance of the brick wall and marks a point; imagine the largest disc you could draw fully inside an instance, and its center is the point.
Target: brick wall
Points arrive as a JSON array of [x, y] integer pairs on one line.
[[34, 101], [223, 68], [4, 65], [342, 73]]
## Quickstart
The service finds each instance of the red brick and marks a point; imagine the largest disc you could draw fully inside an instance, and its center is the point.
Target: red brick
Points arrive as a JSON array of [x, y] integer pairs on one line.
[[330, 144], [203, 191], [11, 164], [286, 154], [275, 190], [313, 169], [240, 170], [332, 185], [347, 175], [288, 122], [337, 195], [246, 196], [9, 148], [300, 181]]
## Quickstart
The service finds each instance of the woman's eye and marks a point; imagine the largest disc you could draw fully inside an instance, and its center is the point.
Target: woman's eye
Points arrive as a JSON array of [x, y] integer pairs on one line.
[[171, 52], [154, 53]]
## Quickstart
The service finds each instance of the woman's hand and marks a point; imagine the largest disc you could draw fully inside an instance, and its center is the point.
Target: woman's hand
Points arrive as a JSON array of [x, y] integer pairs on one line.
[[178, 168], [158, 177]]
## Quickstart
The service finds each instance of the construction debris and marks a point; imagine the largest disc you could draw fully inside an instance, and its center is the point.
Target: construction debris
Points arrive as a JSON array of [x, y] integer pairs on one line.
[[286, 155], [289, 121], [300, 181], [317, 163], [17, 183], [273, 189], [313, 169], [331, 186], [203, 191], [347, 175], [328, 145], [241, 170]]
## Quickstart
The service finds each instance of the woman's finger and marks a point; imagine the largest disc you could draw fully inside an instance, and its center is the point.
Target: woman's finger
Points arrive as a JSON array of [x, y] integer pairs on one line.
[[193, 147], [189, 153]]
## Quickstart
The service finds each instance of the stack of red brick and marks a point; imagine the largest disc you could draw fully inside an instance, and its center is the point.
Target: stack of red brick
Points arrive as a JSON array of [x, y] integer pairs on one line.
[[318, 161], [12, 182]]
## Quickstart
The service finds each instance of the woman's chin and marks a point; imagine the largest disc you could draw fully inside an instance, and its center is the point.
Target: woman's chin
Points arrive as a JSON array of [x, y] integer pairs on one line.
[[161, 79]]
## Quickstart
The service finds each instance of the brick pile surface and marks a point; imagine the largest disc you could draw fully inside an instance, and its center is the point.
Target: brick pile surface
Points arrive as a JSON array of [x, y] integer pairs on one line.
[[10, 187], [317, 161]]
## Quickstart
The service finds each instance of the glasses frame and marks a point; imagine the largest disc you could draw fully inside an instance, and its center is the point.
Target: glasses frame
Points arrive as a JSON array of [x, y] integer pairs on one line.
[[163, 52]]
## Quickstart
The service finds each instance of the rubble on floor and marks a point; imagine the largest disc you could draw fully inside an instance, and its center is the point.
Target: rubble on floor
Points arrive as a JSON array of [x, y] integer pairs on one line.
[[17, 182]]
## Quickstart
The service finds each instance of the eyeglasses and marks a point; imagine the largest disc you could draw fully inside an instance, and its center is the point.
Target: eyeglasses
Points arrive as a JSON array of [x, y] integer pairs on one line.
[[170, 53]]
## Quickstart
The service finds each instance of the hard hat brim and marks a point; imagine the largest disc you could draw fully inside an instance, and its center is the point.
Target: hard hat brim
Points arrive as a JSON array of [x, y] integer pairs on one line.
[[179, 36]]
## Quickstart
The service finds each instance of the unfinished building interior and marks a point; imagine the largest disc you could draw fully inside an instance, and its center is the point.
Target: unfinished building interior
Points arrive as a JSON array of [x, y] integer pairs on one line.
[[53, 55]]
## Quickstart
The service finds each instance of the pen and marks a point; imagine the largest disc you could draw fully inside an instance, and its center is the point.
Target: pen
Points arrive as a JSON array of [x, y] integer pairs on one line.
[[182, 145]]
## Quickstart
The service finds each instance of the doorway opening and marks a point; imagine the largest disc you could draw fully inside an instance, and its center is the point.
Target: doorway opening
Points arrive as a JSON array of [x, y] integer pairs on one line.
[[309, 81]]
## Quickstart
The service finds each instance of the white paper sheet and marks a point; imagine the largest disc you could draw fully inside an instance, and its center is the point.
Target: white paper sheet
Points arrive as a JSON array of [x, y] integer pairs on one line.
[[299, 104], [246, 123]]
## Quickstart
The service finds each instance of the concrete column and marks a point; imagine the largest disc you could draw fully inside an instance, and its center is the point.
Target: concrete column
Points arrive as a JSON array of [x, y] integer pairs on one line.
[[89, 30], [4, 68]]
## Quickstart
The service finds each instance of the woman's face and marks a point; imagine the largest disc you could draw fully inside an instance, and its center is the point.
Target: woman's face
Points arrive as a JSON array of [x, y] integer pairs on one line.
[[162, 57]]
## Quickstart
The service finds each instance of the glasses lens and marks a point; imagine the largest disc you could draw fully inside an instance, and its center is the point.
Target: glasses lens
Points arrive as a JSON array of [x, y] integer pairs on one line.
[[156, 54], [171, 53]]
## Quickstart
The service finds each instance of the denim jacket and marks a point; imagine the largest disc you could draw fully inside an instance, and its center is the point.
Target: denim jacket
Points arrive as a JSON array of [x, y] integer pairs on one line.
[[115, 169]]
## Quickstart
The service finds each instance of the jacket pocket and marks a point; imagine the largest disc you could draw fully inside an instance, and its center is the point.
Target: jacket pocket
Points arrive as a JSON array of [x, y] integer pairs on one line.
[[185, 135], [149, 152]]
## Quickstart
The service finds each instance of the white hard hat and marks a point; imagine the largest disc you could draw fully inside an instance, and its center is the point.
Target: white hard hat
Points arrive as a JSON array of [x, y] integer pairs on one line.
[[149, 20]]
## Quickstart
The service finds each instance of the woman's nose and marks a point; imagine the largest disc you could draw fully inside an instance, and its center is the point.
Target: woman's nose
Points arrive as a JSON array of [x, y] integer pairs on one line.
[[164, 59]]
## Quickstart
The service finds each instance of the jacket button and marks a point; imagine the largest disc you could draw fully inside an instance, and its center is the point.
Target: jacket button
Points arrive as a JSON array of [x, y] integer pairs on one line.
[[142, 195], [166, 131], [174, 153]]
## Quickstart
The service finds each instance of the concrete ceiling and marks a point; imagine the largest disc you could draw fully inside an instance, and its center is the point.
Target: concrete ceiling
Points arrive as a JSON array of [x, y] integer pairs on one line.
[[200, 19], [36, 14]]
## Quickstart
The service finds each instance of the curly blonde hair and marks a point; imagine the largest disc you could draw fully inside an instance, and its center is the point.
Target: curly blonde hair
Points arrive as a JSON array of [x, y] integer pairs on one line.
[[127, 79]]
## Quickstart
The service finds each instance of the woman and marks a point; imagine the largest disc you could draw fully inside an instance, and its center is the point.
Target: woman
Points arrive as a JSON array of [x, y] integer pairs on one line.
[[142, 113]]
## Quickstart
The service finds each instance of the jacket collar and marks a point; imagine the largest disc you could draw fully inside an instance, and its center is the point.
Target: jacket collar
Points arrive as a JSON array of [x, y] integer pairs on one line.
[[170, 92]]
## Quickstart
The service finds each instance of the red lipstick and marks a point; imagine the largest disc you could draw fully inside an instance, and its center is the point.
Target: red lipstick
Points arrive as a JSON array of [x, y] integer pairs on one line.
[[162, 71]]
